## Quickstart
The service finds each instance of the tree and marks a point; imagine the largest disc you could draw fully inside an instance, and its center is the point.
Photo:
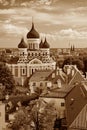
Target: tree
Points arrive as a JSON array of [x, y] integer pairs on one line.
[[39, 115], [6, 78], [21, 120], [74, 61]]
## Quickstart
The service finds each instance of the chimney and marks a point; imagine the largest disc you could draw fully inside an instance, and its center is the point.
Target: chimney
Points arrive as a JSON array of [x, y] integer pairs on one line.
[[49, 84], [57, 71], [53, 75], [59, 83], [68, 70], [73, 72], [60, 71]]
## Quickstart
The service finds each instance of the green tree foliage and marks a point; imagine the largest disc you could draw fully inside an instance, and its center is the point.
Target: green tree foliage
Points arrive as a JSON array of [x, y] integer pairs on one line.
[[6, 78]]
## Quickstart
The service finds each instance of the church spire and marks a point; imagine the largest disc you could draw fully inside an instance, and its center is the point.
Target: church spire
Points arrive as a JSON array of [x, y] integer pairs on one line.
[[73, 48], [32, 23], [33, 33]]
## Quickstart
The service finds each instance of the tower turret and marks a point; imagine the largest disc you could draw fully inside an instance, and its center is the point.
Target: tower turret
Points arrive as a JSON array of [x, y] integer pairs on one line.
[[22, 46], [33, 38]]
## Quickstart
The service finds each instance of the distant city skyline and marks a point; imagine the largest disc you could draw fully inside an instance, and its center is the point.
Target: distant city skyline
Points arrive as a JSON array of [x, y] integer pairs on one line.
[[63, 22]]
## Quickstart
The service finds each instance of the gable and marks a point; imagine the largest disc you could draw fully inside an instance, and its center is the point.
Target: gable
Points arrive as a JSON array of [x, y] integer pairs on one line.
[[35, 61], [77, 78]]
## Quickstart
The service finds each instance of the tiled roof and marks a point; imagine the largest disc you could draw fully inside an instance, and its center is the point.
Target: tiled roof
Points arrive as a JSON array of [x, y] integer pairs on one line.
[[40, 75], [57, 92]]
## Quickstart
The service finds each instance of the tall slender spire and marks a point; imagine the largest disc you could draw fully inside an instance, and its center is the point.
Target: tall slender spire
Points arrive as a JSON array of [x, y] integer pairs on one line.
[[73, 47], [32, 23]]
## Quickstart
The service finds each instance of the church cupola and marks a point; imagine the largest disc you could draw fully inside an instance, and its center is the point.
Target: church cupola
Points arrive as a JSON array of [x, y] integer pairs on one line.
[[22, 44], [45, 44], [33, 33], [22, 52], [33, 39], [41, 44]]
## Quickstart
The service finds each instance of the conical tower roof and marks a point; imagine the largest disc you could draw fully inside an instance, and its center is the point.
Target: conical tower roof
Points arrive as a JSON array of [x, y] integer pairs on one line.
[[33, 33], [41, 44], [22, 44], [45, 44]]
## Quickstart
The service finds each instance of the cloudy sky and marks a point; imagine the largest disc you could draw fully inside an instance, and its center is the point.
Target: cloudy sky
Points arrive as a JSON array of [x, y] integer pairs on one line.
[[63, 22]]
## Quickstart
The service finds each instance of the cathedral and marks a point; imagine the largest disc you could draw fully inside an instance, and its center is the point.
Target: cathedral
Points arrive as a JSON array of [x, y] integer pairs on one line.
[[33, 56]]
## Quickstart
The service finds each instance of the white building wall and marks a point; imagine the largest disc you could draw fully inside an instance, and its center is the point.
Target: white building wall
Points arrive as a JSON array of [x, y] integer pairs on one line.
[[2, 116]]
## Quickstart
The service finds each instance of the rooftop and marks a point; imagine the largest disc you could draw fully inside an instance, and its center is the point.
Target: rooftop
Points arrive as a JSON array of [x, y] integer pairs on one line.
[[40, 75]]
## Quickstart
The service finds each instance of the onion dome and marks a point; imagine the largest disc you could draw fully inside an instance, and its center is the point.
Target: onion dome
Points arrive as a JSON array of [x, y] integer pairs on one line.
[[33, 33], [22, 44], [41, 44], [45, 44]]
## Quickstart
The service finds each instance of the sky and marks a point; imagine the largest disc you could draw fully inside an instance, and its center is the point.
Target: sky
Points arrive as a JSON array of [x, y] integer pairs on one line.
[[62, 22]]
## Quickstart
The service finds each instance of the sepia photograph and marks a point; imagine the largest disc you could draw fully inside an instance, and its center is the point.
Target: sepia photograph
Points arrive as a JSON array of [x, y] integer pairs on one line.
[[43, 64]]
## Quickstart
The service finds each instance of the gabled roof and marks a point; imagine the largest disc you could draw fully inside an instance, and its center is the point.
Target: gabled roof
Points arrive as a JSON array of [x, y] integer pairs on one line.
[[40, 75], [77, 78]]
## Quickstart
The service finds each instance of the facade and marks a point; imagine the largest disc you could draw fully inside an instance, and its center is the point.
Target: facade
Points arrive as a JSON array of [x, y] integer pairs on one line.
[[35, 55], [2, 116]]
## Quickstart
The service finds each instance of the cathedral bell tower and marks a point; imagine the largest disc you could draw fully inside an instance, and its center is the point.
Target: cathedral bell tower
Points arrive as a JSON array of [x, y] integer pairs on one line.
[[33, 39]]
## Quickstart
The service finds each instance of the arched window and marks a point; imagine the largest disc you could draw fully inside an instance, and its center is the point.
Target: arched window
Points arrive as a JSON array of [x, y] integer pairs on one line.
[[35, 54], [23, 53], [23, 71]]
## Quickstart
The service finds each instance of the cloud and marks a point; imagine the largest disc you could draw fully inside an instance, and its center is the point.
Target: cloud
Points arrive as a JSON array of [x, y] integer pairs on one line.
[[16, 30], [70, 33], [7, 11]]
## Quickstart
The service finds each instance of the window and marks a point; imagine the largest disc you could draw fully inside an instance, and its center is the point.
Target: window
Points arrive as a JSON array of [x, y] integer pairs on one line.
[[35, 54], [34, 84], [23, 53], [41, 84], [62, 104], [23, 71]]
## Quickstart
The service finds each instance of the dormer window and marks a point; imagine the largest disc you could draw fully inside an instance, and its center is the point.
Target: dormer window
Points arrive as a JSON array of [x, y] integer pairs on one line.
[[59, 83]]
